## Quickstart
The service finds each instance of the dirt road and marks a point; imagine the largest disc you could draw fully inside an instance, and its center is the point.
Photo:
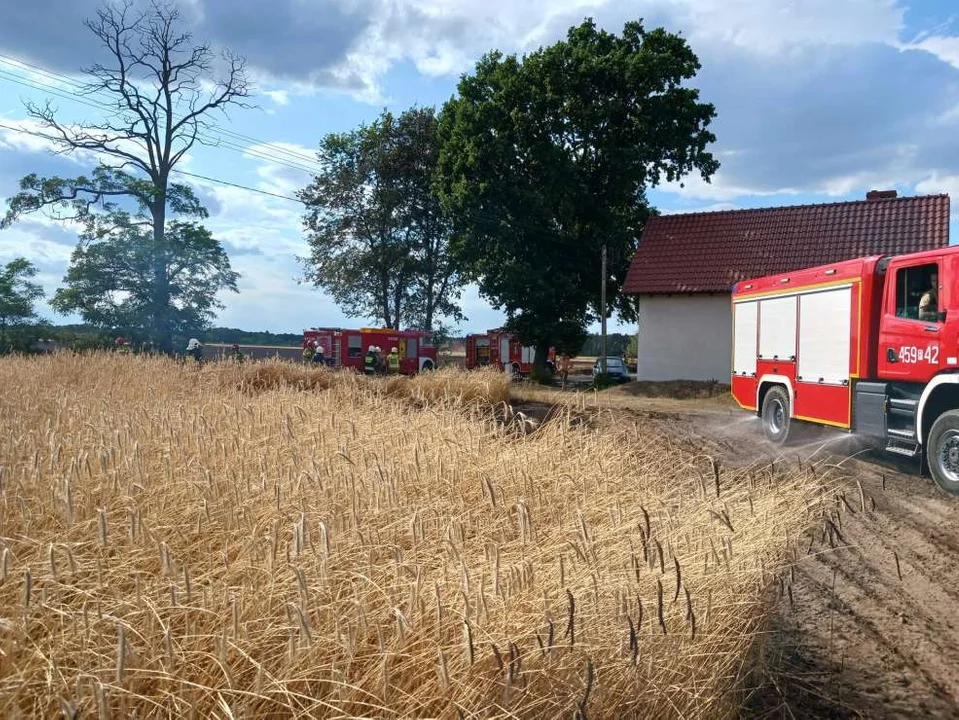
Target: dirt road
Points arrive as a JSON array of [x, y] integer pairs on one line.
[[872, 629]]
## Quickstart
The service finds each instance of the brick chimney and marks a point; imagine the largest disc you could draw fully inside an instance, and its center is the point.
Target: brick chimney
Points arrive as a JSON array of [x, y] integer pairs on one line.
[[881, 195]]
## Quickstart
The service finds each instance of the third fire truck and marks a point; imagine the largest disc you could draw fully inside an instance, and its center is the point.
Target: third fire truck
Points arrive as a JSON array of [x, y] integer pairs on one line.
[[501, 349], [347, 348], [848, 345]]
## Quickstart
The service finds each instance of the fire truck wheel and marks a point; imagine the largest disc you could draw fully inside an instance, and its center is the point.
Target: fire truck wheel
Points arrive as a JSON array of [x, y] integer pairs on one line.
[[775, 415], [427, 366], [942, 450]]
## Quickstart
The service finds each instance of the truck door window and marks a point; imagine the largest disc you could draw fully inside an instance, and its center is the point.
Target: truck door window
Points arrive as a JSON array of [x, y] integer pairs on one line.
[[913, 284], [356, 346], [411, 349]]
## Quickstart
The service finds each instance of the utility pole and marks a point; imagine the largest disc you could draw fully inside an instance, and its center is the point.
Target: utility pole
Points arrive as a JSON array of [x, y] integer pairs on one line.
[[602, 316]]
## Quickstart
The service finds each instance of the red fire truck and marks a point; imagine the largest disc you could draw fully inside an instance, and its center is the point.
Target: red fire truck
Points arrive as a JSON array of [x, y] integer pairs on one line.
[[857, 345], [347, 348], [501, 349]]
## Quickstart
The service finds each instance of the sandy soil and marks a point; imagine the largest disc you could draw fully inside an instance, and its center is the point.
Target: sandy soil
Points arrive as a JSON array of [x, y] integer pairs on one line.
[[872, 627]]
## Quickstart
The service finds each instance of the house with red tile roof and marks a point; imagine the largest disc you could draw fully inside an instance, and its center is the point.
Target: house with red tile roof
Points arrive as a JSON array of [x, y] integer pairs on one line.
[[686, 264]]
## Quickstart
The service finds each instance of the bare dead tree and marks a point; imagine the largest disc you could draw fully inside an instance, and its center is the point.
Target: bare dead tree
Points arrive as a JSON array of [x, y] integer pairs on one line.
[[164, 88]]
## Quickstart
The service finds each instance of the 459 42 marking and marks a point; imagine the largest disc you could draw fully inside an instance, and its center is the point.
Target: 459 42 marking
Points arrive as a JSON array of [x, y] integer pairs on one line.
[[911, 355]]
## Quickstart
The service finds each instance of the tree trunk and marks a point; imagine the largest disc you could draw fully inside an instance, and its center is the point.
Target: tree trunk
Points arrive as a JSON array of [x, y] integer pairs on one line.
[[430, 302], [540, 356], [161, 285]]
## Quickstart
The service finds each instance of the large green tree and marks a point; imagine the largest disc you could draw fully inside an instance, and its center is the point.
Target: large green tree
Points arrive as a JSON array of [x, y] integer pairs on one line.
[[547, 158], [18, 293], [379, 239], [111, 281], [163, 89]]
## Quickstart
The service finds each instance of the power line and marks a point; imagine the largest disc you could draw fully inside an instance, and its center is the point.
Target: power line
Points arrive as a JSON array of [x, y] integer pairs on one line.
[[220, 138], [237, 185], [180, 172], [68, 80]]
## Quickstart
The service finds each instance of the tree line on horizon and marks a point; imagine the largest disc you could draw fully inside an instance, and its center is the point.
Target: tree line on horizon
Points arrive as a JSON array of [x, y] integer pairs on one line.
[[518, 183]]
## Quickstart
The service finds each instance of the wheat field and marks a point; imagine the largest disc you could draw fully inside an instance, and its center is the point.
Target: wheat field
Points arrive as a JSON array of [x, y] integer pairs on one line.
[[276, 540]]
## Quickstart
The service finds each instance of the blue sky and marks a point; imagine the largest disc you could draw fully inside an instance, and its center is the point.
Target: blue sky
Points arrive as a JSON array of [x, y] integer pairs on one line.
[[817, 101]]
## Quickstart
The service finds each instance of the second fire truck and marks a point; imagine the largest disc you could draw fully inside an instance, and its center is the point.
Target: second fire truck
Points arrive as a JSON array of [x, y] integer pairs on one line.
[[501, 349], [869, 345]]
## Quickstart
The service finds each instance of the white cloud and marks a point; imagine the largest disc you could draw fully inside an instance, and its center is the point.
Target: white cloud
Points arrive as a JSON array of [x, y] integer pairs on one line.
[[280, 97], [944, 47], [446, 37], [719, 189], [773, 26], [23, 136]]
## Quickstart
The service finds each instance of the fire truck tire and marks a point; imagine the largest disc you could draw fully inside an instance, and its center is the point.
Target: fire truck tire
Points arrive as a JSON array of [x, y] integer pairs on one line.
[[942, 451], [775, 415], [427, 366]]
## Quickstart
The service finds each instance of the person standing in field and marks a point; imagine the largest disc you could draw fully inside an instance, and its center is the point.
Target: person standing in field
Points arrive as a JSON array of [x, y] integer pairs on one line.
[[393, 361], [564, 365], [320, 355], [236, 354], [369, 362], [308, 352], [194, 349]]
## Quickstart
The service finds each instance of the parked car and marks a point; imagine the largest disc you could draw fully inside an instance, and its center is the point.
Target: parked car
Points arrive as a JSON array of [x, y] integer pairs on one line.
[[615, 368]]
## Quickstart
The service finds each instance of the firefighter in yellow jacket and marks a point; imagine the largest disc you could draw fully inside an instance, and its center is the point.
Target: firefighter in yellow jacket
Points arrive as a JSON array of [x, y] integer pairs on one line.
[[393, 361]]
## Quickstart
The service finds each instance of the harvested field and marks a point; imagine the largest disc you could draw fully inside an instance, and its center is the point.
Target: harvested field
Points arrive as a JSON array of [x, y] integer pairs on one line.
[[280, 540]]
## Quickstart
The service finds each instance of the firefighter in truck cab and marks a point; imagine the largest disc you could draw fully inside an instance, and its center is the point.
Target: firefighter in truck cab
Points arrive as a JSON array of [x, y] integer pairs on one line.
[[928, 304]]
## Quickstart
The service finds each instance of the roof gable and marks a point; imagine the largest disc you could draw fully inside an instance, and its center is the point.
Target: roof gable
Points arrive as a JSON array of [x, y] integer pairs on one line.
[[711, 251]]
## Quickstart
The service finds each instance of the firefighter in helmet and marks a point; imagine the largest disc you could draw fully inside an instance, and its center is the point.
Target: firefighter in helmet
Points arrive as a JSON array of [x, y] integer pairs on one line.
[[308, 351], [369, 362], [929, 302], [194, 349], [393, 361]]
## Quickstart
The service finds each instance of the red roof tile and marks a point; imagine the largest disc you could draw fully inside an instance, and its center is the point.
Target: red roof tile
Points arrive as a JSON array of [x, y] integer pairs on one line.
[[711, 251]]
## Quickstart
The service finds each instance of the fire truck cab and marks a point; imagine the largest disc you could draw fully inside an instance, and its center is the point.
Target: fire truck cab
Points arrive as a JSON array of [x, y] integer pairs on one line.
[[870, 346], [347, 348], [501, 349]]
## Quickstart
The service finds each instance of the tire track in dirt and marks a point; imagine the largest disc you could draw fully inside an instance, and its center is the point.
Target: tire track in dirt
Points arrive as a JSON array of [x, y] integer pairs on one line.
[[862, 636], [858, 641]]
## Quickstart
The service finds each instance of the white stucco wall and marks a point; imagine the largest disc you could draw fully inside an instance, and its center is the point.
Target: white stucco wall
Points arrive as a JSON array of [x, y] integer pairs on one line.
[[684, 337]]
